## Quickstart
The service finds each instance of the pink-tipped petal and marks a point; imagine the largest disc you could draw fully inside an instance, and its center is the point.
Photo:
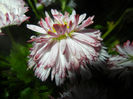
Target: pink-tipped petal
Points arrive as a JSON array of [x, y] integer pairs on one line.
[[86, 23], [52, 34]]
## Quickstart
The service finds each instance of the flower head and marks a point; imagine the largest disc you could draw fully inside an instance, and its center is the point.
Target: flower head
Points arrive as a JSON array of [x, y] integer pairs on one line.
[[63, 46], [125, 57], [12, 12], [45, 2]]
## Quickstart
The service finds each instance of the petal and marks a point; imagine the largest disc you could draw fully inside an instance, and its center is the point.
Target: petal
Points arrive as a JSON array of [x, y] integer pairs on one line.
[[57, 28], [43, 25], [120, 50], [49, 56], [49, 23], [76, 21], [73, 58], [86, 39], [36, 28], [44, 75], [81, 18], [52, 33], [63, 45], [72, 16], [89, 51], [85, 23], [60, 29], [57, 16], [128, 63], [63, 29], [43, 49], [127, 47]]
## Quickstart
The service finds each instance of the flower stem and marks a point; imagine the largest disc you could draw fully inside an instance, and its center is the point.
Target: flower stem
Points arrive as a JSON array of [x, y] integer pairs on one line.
[[10, 35], [33, 8], [112, 26], [63, 5]]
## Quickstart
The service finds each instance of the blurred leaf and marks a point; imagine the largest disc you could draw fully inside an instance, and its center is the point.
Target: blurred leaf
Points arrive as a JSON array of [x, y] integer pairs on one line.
[[68, 9], [67, 5], [18, 62], [3, 62], [29, 93], [98, 27], [111, 47], [16, 77]]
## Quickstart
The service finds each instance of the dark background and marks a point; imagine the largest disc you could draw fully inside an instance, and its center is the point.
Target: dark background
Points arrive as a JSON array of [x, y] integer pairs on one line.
[[110, 10]]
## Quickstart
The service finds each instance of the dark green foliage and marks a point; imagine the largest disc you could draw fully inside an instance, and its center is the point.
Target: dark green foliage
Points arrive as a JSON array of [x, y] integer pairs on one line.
[[18, 61], [16, 81]]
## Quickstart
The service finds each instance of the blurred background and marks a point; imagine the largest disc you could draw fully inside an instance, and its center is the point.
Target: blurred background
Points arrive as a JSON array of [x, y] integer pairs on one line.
[[113, 17]]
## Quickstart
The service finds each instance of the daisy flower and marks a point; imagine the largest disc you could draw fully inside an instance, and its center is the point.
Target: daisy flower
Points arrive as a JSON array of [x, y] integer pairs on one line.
[[125, 57], [45, 2], [63, 46], [12, 12]]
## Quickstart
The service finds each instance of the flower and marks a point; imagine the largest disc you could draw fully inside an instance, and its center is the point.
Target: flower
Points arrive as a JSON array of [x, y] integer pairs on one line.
[[125, 57], [63, 46], [12, 12], [45, 2], [72, 4]]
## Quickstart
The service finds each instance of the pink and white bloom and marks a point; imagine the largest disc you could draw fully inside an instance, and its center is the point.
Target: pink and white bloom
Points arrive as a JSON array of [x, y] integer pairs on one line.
[[63, 46], [125, 57], [12, 12]]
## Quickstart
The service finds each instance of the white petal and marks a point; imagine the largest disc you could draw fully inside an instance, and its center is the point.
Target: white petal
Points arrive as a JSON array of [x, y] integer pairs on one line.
[[120, 50], [89, 51], [86, 39], [81, 18], [63, 45], [45, 74], [72, 16], [127, 64], [36, 28]]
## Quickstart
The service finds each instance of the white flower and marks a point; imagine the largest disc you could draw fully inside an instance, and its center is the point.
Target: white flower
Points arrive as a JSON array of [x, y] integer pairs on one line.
[[45, 2], [63, 46], [125, 57], [72, 4], [12, 12]]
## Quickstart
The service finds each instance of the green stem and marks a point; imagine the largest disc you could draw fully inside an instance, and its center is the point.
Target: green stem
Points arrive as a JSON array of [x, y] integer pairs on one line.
[[10, 35], [34, 9], [35, 1], [116, 23], [63, 5]]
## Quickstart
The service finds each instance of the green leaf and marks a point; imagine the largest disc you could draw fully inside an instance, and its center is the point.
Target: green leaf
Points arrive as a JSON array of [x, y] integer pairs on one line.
[[98, 27], [18, 62], [28, 93]]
